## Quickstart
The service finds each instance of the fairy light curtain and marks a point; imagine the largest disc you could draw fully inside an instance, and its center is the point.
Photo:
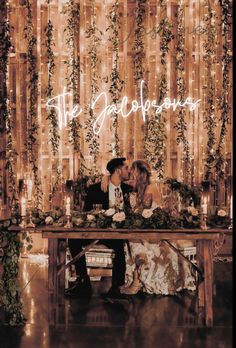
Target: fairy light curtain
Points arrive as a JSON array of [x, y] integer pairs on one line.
[[179, 48]]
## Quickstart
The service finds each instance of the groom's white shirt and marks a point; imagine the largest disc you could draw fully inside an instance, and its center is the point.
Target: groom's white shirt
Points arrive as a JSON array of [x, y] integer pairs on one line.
[[112, 195]]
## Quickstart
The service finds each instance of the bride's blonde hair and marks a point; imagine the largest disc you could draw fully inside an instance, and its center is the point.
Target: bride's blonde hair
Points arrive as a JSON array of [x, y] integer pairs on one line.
[[142, 180]]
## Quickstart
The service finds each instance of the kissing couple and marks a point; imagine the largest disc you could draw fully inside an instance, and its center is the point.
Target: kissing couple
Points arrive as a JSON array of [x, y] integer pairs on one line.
[[140, 270]]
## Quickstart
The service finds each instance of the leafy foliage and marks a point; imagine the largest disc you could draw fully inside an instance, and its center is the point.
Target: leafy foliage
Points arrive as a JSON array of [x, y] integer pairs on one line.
[[9, 289]]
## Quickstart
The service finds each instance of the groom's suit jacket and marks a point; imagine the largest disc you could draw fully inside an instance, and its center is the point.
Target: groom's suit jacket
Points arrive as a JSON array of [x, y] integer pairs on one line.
[[96, 196]]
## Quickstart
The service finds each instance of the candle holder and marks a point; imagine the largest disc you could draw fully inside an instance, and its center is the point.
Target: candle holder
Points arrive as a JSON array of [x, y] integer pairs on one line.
[[30, 224], [204, 222], [23, 222], [68, 222], [231, 224]]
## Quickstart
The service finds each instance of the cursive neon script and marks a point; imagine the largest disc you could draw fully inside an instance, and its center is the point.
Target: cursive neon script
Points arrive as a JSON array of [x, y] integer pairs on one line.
[[59, 103]]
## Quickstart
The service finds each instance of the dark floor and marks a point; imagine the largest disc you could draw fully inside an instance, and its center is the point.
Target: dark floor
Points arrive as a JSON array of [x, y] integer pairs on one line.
[[144, 322]]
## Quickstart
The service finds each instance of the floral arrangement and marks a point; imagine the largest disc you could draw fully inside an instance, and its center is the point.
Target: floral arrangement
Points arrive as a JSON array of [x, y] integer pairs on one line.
[[188, 194], [219, 219]]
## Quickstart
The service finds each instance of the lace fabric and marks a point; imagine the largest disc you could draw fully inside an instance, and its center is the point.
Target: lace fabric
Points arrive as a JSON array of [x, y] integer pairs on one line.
[[162, 271]]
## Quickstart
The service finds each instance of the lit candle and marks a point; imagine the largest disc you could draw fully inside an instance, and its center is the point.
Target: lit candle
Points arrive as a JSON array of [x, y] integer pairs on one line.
[[204, 206], [231, 207], [179, 203], [68, 206], [29, 189], [23, 206]]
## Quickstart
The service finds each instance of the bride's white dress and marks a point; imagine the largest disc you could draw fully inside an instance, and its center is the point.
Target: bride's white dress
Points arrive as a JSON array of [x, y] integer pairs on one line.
[[162, 270]]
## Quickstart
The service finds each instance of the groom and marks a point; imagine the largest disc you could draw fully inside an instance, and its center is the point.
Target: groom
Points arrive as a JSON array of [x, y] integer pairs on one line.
[[119, 171]]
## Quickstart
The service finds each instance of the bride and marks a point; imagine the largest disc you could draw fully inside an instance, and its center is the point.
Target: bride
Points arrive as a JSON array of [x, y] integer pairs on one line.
[[153, 268]]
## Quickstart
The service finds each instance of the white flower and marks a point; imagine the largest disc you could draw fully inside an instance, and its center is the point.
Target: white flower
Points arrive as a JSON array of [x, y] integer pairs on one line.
[[221, 213], [110, 212], [118, 217], [90, 217], [154, 206], [193, 211], [78, 221], [49, 220], [147, 213]]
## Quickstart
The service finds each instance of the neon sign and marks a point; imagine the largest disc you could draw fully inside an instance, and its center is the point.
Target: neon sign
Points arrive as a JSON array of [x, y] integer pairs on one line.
[[59, 103]]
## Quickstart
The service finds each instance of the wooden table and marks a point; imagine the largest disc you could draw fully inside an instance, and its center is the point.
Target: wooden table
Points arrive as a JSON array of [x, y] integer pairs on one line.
[[204, 242]]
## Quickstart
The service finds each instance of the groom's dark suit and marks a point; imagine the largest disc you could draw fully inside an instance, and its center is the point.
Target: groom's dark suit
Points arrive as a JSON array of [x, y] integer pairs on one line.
[[97, 196]]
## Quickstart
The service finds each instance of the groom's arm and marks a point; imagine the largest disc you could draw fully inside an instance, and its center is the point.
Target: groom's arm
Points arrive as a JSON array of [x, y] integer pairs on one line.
[[88, 204]]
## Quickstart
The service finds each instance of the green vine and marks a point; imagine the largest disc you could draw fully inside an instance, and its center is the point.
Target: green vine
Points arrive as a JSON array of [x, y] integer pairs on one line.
[[9, 289], [52, 116], [32, 122], [210, 120], [5, 122], [223, 100], [156, 123], [72, 10], [181, 125], [94, 34], [117, 83]]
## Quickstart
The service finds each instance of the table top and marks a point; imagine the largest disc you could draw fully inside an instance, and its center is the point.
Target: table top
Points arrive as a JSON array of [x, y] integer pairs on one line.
[[50, 231]]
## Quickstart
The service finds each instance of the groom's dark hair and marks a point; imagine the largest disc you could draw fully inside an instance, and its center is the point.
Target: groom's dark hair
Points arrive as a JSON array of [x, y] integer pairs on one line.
[[115, 163]]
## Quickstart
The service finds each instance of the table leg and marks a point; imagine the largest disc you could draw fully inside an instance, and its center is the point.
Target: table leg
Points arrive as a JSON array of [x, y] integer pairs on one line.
[[208, 281], [200, 263], [52, 280]]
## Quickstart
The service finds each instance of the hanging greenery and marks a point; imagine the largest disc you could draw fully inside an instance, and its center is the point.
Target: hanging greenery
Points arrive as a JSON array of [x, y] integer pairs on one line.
[[155, 133], [72, 10], [32, 120], [139, 48], [94, 34], [5, 119], [54, 138], [5, 46], [181, 125], [210, 119], [223, 100], [117, 83], [9, 289]]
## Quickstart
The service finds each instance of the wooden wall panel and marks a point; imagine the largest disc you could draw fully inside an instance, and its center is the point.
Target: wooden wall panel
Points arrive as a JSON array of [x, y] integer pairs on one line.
[[130, 129]]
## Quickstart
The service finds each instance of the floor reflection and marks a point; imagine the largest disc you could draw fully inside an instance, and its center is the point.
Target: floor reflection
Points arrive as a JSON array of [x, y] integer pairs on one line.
[[144, 321]]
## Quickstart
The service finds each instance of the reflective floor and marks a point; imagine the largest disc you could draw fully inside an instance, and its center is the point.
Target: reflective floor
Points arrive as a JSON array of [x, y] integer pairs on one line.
[[146, 321]]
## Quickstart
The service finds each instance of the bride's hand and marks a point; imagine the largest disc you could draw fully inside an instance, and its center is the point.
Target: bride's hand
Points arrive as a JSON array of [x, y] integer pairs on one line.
[[105, 183]]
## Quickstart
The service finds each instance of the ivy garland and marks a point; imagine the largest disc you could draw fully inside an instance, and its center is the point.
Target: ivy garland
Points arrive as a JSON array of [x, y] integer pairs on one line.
[[6, 124], [9, 289], [210, 120], [181, 125], [117, 83], [72, 10], [156, 125], [139, 49], [224, 99], [52, 116], [5, 44], [94, 34], [32, 123]]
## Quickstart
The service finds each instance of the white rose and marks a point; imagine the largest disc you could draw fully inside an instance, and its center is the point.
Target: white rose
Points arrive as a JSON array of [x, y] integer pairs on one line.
[[221, 213], [49, 220], [118, 217], [110, 212], [147, 213], [90, 217], [78, 221]]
